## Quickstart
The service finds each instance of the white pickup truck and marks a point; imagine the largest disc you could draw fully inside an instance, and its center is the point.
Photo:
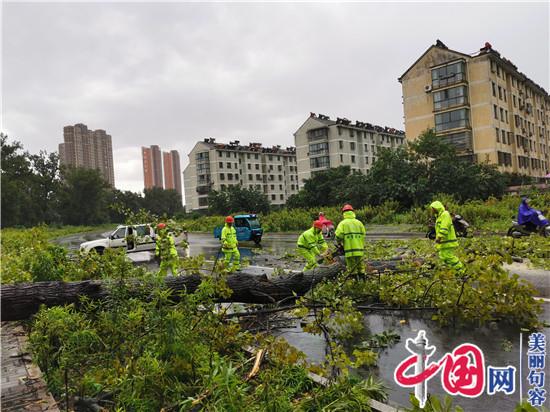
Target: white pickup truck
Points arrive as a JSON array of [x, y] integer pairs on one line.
[[134, 238]]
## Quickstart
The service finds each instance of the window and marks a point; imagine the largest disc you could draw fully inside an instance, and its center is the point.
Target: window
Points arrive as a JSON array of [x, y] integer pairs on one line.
[[279, 168], [257, 166], [318, 148], [317, 162], [341, 158], [222, 176], [278, 157], [273, 197], [248, 155], [352, 159], [501, 114], [514, 99], [450, 74], [454, 96], [280, 187], [506, 115], [494, 89], [282, 197], [221, 165], [250, 177], [503, 136], [236, 166], [203, 201], [495, 111], [228, 165], [270, 157], [351, 132], [366, 147], [119, 233], [249, 166], [341, 144], [223, 187], [230, 176], [256, 156], [504, 95], [500, 92], [258, 177], [504, 159], [451, 120], [317, 134], [510, 138], [272, 187], [366, 160], [352, 145], [498, 135]]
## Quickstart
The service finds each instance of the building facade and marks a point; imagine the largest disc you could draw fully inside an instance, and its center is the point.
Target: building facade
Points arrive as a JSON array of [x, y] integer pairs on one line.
[[91, 149], [172, 170], [322, 143], [152, 167], [216, 166], [482, 104]]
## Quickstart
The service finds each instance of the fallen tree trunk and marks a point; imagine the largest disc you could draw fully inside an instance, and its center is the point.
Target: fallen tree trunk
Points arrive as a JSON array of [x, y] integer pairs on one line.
[[22, 300]]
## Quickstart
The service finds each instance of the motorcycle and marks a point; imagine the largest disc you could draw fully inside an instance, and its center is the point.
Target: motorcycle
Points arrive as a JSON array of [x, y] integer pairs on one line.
[[517, 230], [460, 224], [328, 227]]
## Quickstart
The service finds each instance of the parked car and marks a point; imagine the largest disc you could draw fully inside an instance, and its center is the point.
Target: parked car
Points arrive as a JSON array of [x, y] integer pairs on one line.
[[248, 227], [134, 238]]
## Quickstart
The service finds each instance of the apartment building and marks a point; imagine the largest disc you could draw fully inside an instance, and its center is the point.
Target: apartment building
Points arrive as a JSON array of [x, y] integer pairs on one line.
[[172, 170], [323, 143], [91, 149], [482, 104], [216, 166], [152, 167]]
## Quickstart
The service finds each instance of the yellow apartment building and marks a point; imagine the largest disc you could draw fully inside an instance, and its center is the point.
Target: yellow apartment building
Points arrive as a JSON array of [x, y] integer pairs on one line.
[[482, 104]]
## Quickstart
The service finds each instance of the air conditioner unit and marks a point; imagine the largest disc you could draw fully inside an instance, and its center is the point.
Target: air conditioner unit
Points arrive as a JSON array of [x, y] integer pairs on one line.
[[428, 88]]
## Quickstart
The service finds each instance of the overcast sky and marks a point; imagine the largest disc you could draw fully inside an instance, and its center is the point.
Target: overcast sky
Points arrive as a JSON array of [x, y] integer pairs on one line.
[[171, 74]]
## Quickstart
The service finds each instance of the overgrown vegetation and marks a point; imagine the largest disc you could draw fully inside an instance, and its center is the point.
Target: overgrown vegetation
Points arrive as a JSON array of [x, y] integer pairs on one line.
[[147, 352]]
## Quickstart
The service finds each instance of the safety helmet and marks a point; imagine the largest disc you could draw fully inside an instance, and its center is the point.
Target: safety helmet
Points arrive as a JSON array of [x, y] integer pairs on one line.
[[347, 207], [229, 219], [318, 225], [161, 226]]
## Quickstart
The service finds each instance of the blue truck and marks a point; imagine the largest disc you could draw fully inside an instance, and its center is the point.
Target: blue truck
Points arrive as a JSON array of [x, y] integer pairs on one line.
[[248, 228]]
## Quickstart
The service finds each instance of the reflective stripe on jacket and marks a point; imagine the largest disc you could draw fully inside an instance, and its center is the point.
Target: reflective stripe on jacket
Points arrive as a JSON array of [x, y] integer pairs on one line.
[[229, 238], [351, 232], [444, 228], [311, 241]]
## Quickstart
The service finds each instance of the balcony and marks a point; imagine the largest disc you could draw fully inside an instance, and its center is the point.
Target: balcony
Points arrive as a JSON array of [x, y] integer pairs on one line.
[[204, 189]]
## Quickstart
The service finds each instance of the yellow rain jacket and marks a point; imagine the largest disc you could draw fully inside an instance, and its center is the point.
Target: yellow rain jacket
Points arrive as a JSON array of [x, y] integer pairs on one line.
[[351, 232]]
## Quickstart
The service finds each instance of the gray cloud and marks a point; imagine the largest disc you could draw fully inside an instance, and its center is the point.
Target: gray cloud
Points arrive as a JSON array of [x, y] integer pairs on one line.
[[171, 74]]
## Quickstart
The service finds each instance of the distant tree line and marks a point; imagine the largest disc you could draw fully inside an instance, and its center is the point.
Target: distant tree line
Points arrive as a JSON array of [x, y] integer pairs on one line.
[[35, 190]]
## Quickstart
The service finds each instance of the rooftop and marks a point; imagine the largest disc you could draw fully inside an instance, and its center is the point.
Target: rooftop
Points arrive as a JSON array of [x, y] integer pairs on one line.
[[487, 49], [357, 125], [251, 147]]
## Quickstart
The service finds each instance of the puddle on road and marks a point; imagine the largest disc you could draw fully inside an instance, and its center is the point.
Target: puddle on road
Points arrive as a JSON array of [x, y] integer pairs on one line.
[[491, 340]]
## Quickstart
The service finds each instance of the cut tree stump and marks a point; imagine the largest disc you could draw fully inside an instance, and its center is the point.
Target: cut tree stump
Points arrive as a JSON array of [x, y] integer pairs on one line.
[[22, 300]]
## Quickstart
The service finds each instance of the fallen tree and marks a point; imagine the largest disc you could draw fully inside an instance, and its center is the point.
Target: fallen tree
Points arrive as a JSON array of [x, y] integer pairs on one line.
[[20, 301]]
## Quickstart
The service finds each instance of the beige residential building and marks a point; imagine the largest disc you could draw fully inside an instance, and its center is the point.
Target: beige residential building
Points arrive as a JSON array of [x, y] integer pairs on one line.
[[91, 149], [482, 104], [323, 143], [216, 166]]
